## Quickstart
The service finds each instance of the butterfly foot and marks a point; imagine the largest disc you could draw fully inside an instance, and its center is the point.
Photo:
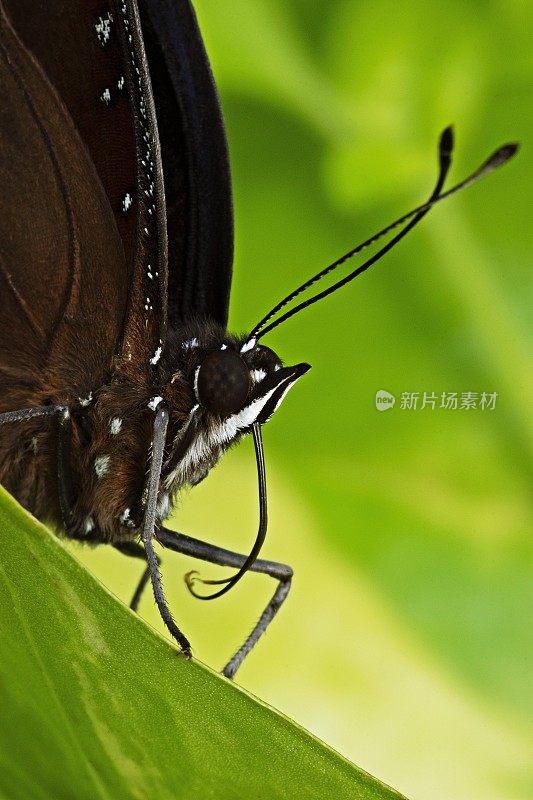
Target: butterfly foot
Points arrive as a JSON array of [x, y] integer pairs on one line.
[[186, 653]]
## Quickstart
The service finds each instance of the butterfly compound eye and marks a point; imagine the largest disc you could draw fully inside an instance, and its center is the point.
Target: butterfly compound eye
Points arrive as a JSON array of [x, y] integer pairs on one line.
[[223, 382]]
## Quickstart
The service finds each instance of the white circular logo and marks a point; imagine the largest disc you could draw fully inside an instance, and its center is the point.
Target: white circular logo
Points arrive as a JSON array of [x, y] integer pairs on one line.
[[384, 400]]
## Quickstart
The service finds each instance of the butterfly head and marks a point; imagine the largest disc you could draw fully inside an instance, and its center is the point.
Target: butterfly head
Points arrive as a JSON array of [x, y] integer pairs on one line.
[[247, 384], [240, 381], [230, 384]]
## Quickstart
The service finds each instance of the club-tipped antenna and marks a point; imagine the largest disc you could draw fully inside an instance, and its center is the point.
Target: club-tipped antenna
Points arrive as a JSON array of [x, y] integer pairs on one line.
[[446, 143]]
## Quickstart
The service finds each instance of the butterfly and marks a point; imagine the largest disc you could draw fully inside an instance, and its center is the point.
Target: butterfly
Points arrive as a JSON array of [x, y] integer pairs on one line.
[[121, 384]]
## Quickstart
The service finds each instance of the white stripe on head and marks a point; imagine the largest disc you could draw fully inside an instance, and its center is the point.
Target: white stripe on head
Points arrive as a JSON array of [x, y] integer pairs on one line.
[[206, 442], [249, 345], [257, 375], [282, 396]]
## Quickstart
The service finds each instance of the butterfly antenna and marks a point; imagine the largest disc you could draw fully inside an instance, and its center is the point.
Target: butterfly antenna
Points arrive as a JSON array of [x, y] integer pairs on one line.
[[446, 143], [192, 577]]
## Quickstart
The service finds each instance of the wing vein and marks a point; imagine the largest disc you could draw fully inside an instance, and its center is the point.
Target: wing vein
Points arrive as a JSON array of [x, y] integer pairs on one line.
[[74, 268], [23, 305]]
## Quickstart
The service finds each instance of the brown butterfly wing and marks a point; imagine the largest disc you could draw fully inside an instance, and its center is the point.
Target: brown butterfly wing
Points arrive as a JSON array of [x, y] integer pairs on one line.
[[93, 63], [76, 42], [94, 57], [60, 251]]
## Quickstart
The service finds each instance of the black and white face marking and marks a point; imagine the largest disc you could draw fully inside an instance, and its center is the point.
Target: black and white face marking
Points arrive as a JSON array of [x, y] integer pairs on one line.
[[245, 386], [234, 385], [270, 380]]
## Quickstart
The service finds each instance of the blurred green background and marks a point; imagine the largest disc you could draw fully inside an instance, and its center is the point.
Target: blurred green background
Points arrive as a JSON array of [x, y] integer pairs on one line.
[[406, 643]]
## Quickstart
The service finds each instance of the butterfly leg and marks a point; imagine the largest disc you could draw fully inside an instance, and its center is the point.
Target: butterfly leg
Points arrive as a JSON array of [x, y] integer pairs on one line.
[[227, 558], [64, 471], [40, 411], [28, 413], [149, 527], [136, 550], [66, 495]]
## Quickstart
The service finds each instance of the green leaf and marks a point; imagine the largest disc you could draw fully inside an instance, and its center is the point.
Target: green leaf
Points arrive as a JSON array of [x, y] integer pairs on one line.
[[96, 704]]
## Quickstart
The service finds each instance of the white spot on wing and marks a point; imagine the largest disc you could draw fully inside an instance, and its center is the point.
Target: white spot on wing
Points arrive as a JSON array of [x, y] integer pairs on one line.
[[139, 85], [190, 343], [101, 465], [105, 97], [103, 28], [88, 525], [84, 401], [127, 202]]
